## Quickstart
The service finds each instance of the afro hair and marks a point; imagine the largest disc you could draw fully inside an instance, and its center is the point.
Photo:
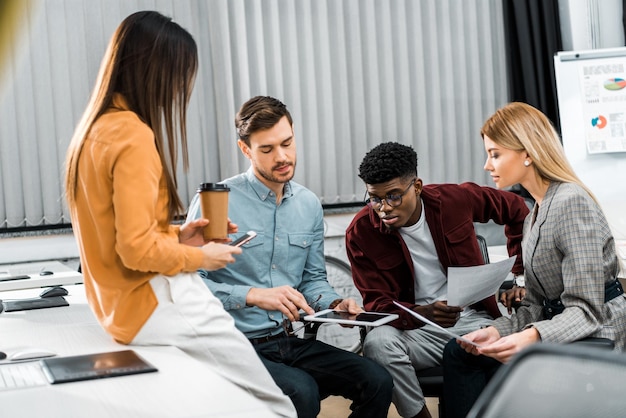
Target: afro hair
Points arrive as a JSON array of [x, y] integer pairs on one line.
[[388, 161]]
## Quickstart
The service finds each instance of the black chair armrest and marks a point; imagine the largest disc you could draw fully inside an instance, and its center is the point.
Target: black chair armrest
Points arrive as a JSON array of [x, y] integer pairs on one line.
[[596, 342]]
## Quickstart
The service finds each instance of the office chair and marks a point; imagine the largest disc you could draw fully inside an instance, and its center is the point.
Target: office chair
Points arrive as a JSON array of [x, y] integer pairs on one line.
[[556, 380]]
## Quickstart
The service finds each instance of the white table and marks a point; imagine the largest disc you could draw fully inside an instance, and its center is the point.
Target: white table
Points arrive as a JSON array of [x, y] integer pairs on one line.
[[183, 387], [61, 275]]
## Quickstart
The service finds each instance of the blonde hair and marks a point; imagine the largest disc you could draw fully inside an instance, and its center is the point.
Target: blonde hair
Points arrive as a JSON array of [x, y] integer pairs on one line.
[[152, 62], [520, 127]]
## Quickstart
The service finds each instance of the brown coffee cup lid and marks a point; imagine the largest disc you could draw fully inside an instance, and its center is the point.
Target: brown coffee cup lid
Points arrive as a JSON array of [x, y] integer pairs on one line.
[[213, 187]]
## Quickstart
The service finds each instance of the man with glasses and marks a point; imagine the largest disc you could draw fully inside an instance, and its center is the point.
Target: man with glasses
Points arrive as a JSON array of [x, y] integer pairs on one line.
[[400, 246]]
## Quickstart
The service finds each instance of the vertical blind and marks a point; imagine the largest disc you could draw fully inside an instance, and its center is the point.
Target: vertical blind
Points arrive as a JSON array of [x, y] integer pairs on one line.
[[353, 73]]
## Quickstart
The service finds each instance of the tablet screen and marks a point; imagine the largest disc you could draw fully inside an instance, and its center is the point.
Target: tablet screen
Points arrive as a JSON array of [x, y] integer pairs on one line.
[[363, 318]]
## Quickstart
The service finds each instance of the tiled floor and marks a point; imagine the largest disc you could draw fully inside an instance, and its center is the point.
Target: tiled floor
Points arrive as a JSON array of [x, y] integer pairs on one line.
[[338, 407]]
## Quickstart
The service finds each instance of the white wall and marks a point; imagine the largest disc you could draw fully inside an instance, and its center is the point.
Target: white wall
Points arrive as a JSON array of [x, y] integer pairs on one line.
[[591, 24]]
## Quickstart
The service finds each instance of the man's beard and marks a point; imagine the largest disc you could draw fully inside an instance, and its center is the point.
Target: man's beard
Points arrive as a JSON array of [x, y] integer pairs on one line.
[[269, 176]]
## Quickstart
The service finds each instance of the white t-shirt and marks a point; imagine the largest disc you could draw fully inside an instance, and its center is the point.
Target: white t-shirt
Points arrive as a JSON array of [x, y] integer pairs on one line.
[[431, 283]]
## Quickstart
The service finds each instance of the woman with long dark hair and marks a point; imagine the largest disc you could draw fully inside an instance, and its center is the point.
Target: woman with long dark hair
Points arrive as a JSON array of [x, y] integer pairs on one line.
[[139, 269]]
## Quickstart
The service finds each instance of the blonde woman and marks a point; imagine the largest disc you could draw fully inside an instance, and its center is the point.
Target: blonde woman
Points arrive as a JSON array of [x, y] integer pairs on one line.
[[569, 258]]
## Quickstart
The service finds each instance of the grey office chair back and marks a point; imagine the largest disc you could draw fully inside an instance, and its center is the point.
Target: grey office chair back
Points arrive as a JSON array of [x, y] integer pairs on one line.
[[556, 380], [484, 249]]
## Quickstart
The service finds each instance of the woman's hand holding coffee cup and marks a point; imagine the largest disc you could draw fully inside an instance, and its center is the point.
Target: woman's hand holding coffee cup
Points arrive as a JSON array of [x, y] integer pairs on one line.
[[192, 233]]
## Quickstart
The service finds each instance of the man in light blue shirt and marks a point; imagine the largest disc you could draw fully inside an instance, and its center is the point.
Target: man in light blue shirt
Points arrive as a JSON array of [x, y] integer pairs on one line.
[[282, 271], [287, 251]]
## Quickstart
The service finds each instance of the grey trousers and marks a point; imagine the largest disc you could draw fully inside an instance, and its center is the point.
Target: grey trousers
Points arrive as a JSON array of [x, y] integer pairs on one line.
[[403, 352]]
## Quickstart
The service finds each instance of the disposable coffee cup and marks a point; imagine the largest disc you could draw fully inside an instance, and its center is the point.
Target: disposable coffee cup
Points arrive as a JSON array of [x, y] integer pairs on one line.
[[214, 204]]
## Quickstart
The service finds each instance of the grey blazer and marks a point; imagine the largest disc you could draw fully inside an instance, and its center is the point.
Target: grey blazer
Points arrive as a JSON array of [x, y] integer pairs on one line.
[[569, 252]]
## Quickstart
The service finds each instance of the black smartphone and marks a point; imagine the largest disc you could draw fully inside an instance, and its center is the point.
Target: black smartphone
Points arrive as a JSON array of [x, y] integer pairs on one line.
[[243, 239]]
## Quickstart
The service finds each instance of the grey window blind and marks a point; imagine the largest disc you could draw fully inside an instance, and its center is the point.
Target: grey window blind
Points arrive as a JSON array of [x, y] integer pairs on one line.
[[354, 73]]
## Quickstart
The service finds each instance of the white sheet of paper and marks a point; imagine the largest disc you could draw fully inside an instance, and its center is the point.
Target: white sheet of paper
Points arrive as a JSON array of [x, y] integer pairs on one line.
[[468, 285], [429, 322]]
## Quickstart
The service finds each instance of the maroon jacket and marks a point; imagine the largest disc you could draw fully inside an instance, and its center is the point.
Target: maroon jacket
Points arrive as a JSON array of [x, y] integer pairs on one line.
[[381, 264]]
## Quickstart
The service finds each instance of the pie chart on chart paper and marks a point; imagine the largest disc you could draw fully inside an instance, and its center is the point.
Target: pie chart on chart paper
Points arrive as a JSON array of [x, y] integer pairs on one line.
[[615, 84], [599, 122]]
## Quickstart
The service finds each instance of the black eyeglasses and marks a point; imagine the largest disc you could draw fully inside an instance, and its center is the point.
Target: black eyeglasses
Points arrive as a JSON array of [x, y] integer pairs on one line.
[[393, 200]]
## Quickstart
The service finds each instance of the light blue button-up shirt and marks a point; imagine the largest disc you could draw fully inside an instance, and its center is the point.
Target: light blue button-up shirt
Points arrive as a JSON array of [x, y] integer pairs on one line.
[[288, 250]]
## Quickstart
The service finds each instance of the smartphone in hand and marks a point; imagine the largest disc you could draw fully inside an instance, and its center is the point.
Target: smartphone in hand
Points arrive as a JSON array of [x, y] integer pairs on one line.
[[243, 239]]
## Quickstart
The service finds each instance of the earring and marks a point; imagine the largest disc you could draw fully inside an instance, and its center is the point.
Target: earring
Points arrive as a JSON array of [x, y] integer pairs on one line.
[[526, 163]]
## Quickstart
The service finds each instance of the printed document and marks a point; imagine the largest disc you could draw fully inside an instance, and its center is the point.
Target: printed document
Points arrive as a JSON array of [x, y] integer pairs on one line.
[[468, 285]]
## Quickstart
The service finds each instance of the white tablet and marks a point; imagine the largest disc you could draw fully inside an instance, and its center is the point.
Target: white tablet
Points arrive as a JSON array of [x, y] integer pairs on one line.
[[369, 319]]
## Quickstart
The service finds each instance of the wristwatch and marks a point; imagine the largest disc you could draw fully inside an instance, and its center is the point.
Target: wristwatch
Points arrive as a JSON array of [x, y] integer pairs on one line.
[[518, 280], [334, 303]]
